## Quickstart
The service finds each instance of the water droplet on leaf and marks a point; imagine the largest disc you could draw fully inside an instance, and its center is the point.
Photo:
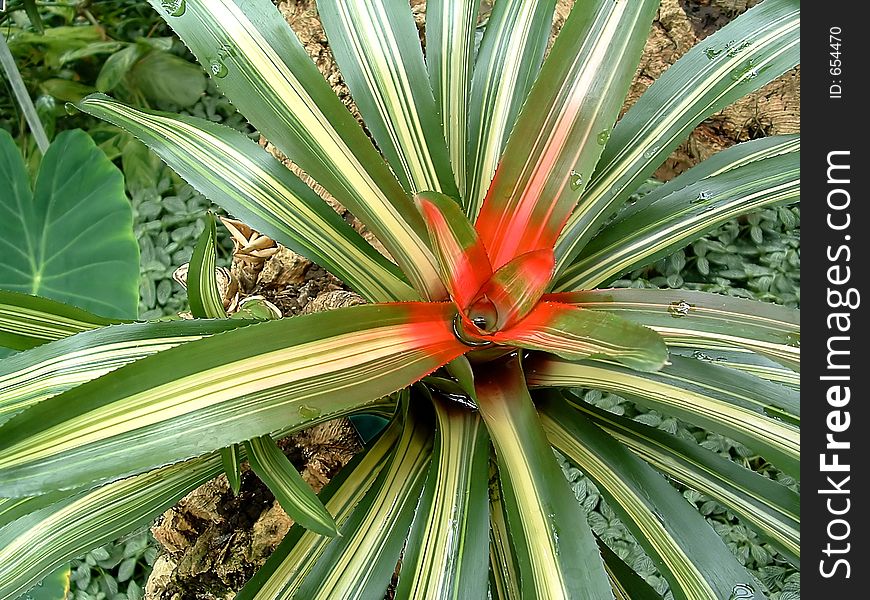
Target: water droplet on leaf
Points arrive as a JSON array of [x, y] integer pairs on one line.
[[603, 137], [703, 196], [308, 412], [742, 591], [576, 180], [712, 53], [679, 309], [218, 69], [175, 8], [651, 152]]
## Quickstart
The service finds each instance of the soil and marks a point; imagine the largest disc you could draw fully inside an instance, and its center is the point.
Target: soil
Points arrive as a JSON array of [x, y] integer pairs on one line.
[[213, 540]]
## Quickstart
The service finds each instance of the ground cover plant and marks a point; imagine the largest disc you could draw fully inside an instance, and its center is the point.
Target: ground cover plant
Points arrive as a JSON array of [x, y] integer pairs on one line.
[[494, 283]]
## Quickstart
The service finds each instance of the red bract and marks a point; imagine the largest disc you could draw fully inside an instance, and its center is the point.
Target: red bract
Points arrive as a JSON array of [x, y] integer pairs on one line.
[[503, 307]]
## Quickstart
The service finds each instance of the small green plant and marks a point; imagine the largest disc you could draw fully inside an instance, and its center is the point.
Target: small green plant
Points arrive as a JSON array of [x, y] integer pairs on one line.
[[500, 189]]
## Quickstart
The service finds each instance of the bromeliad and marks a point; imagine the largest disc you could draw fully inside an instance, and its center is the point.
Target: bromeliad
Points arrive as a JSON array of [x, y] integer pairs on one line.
[[497, 181]]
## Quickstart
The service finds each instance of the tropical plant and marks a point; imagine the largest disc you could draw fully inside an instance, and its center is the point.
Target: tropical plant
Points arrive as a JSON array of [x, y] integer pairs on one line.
[[498, 191]]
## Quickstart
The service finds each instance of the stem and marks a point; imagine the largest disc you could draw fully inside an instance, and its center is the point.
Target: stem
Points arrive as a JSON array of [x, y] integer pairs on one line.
[[22, 96]]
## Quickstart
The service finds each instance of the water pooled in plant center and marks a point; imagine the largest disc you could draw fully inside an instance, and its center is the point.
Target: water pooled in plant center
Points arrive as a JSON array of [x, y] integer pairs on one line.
[[742, 591], [679, 308], [175, 8], [576, 180]]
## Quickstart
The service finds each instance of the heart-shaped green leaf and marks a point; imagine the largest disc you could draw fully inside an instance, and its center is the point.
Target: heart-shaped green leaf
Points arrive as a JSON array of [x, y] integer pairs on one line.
[[70, 238]]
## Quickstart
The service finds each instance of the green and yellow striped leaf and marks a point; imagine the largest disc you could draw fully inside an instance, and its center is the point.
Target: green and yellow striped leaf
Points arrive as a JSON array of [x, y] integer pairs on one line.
[[235, 173], [740, 58], [35, 544], [231, 459], [721, 400], [461, 255], [361, 561], [447, 554], [32, 376], [378, 51], [738, 155], [292, 492], [507, 64], [701, 321], [745, 361], [504, 576], [575, 333], [683, 216], [554, 145], [202, 289], [772, 509], [299, 551], [27, 321], [263, 69], [450, 58], [205, 395], [552, 542], [693, 558], [15, 508]]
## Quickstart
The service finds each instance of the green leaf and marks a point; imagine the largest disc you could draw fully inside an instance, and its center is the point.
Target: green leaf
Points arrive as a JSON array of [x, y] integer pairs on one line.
[[292, 492], [207, 394], [693, 558], [626, 584], [683, 216], [231, 459], [548, 528], [28, 321], [141, 166], [450, 59], [361, 561], [35, 20], [555, 143], [37, 543], [263, 69], [202, 289], [66, 90], [447, 552], [770, 508], [300, 549], [700, 320], [721, 400], [740, 58], [234, 172], [507, 64], [168, 79], [54, 586], [30, 377], [378, 51], [116, 67], [71, 238]]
